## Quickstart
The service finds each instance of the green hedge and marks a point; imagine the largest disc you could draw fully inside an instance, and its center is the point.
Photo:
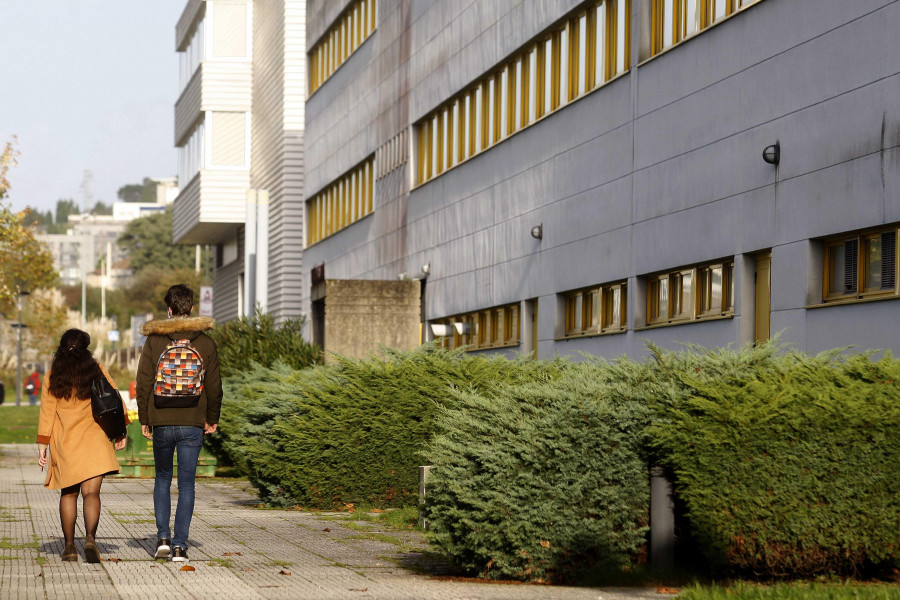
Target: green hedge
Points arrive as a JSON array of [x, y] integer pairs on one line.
[[245, 341], [352, 432], [788, 468], [540, 481], [784, 464]]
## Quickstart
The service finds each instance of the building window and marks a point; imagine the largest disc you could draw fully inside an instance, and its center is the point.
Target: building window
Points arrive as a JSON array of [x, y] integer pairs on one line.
[[191, 55], [861, 265], [342, 203], [497, 327], [190, 156], [344, 36], [567, 61], [596, 310], [691, 293], [675, 20]]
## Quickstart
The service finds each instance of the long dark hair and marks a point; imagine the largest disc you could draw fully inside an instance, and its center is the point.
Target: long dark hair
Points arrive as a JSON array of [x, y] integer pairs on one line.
[[73, 366]]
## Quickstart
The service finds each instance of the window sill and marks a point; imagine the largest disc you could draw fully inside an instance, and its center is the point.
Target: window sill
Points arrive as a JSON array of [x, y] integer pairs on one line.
[[686, 321], [855, 300], [473, 348], [578, 336]]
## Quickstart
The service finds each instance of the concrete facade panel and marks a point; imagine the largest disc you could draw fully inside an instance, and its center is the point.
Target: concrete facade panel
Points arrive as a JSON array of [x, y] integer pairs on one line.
[[841, 198], [658, 169]]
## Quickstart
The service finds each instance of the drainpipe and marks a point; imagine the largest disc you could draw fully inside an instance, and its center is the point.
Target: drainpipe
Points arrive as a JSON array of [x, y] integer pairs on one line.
[[262, 249], [250, 255]]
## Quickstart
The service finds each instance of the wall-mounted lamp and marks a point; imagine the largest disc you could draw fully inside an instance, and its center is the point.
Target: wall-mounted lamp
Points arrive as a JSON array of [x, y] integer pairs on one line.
[[462, 328], [426, 268], [537, 232], [772, 154], [441, 330]]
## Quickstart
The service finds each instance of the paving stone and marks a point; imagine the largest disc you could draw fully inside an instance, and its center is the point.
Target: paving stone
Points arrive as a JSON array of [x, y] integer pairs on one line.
[[236, 550]]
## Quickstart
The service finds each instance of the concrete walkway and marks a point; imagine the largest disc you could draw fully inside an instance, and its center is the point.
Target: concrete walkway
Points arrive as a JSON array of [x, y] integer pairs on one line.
[[237, 550]]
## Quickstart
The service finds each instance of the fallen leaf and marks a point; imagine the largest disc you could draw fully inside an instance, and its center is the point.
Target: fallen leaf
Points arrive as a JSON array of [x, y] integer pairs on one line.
[[358, 590], [114, 560], [187, 568], [545, 543], [376, 510], [248, 569], [327, 529], [667, 590], [283, 572]]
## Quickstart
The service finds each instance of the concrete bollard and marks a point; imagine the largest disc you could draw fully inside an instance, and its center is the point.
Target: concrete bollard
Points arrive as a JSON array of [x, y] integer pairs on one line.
[[423, 478], [662, 522]]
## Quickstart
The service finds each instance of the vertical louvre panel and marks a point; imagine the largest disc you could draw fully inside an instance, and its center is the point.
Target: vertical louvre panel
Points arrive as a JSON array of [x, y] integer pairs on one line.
[[851, 265], [230, 30], [229, 138], [888, 260]]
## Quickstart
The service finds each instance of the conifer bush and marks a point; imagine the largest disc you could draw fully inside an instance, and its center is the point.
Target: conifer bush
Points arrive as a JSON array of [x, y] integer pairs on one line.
[[258, 339], [352, 432], [791, 468], [541, 481]]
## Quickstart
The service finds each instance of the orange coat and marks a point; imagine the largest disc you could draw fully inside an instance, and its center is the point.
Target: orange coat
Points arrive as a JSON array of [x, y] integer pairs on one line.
[[79, 450]]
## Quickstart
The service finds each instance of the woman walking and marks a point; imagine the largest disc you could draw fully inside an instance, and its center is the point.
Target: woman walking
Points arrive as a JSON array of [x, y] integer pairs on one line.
[[80, 454]]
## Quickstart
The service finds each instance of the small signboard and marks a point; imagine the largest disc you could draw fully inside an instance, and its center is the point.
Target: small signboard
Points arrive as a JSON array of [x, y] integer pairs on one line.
[[206, 301], [113, 335]]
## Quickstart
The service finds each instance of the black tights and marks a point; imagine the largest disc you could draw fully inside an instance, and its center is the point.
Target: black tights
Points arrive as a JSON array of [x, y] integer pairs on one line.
[[68, 507]]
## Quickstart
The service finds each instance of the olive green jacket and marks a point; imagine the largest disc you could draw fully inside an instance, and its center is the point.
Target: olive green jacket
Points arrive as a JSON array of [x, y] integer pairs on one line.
[[160, 333]]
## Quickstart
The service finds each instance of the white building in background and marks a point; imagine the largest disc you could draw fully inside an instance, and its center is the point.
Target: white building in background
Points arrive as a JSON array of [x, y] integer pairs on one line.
[[98, 235], [239, 133]]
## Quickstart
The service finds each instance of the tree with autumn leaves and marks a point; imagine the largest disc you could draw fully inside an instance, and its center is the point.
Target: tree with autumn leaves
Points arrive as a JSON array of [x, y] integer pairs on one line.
[[25, 263]]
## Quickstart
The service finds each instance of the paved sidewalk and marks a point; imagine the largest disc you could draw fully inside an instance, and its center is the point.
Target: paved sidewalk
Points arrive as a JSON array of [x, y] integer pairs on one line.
[[237, 551]]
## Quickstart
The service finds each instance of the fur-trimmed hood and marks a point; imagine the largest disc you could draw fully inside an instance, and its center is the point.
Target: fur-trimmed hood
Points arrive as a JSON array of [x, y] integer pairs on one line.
[[177, 325]]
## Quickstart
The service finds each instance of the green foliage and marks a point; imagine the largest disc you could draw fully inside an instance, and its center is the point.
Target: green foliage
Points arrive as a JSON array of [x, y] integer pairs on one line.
[[541, 481], [259, 340], [793, 591], [101, 208], [148, 241], [352, 432], [788, 465], [142, 192], [64, 208]]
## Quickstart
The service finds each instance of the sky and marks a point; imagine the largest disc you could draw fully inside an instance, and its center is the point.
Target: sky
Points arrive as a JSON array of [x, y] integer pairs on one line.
[[87, 85]]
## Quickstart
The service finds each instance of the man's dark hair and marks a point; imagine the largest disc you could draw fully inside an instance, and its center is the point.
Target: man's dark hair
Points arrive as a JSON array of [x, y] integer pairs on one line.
[[180, 298]]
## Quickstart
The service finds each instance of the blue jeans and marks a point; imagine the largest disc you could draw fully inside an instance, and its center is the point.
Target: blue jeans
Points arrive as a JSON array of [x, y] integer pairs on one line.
[[187, 441]]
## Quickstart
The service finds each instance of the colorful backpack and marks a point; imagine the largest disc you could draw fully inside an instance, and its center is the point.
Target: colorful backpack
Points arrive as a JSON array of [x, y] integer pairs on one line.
[[179, 376]]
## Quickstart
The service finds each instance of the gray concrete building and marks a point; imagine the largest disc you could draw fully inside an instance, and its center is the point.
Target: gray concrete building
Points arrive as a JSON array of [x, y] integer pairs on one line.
[[565, 176]]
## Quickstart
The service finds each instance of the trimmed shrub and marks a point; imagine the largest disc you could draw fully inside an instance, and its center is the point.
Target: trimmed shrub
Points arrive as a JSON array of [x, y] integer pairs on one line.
[[245, 341], [791, 468], [540, 481], [353, 432]]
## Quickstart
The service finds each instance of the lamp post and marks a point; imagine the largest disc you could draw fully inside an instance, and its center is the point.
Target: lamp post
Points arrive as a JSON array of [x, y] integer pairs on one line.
[[23, 295]]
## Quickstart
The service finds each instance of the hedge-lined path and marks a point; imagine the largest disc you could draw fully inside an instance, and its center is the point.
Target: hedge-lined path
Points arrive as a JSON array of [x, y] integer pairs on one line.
[[237, 550]]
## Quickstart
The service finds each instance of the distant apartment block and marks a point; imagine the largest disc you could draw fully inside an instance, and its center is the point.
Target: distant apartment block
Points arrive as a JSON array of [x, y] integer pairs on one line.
[[589, 176], [91, 239], [239, 134]]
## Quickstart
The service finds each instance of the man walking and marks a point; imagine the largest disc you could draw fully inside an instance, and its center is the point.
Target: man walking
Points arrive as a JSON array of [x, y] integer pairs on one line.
[[179, 397]]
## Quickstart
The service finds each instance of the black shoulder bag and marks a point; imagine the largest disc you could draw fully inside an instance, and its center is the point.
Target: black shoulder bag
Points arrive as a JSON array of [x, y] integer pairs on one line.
[[106, 404]]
